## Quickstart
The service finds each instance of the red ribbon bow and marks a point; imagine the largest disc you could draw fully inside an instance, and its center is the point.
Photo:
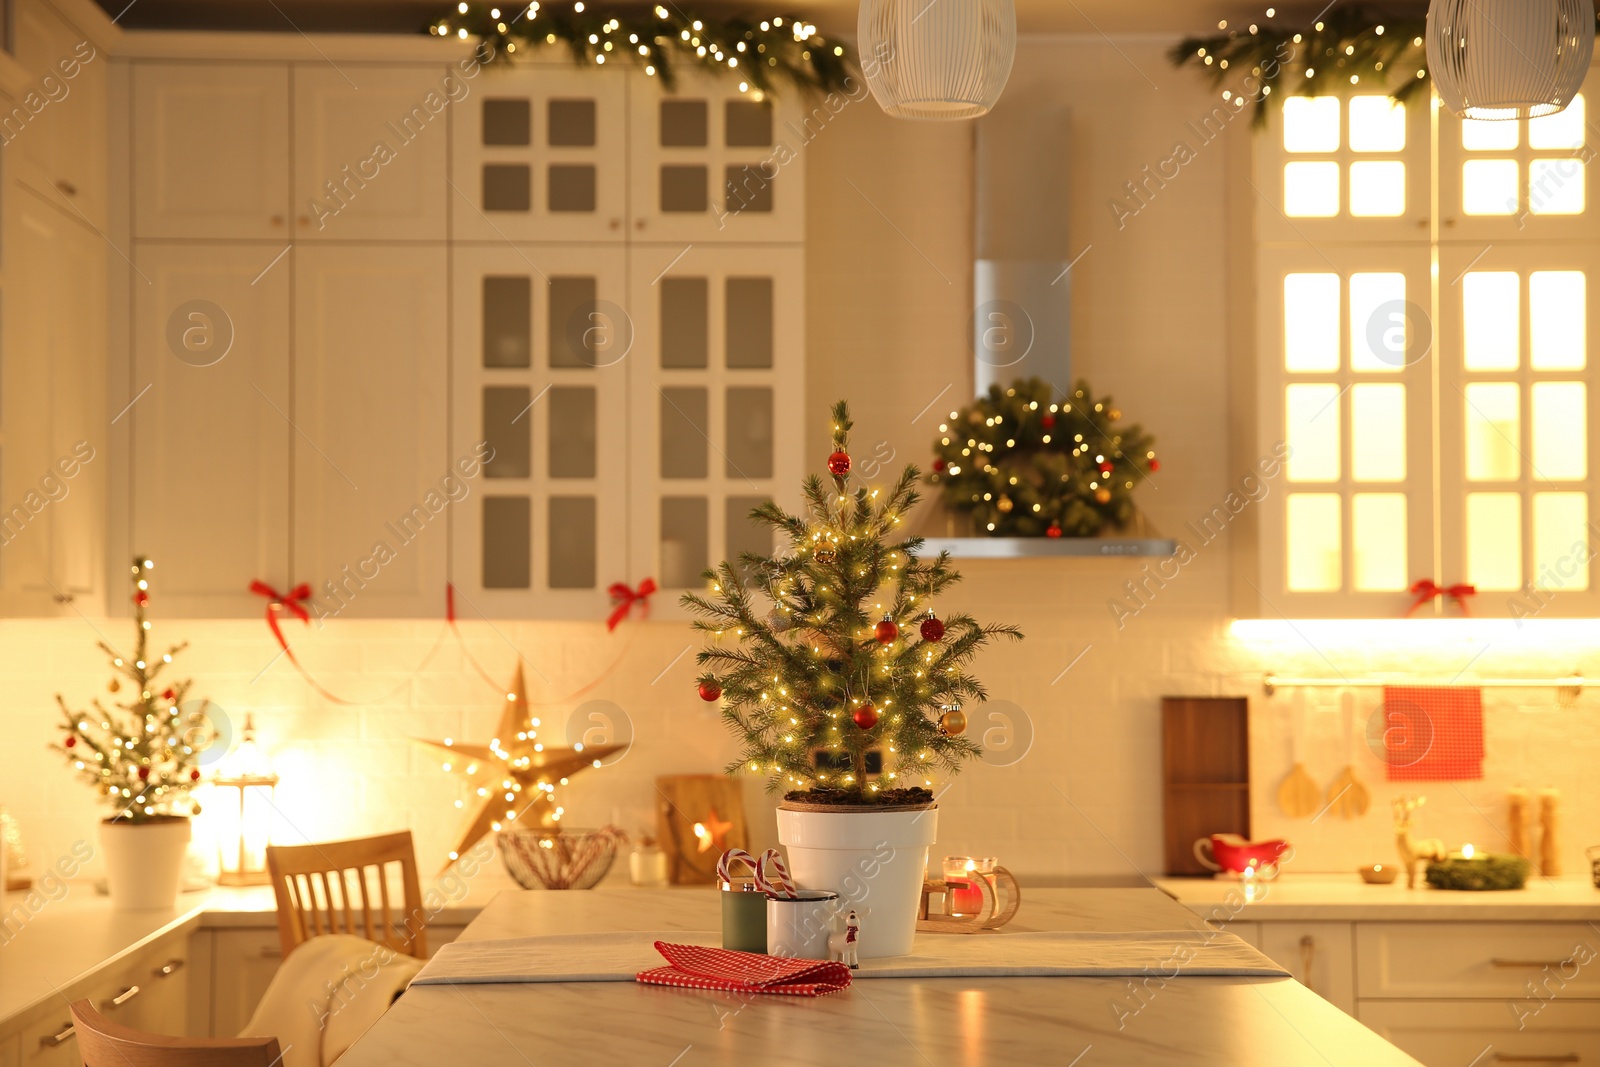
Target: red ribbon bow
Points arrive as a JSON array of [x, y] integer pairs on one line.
[[1425, 589], [276, 600], [625, 598]]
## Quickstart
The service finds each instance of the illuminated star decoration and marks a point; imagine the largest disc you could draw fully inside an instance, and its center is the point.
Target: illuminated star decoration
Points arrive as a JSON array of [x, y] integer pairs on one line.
[[712, 832], [515, 774]]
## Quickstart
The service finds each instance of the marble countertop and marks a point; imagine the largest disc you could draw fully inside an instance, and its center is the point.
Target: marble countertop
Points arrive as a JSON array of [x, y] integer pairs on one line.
[[1346, 897], [916, 1022]]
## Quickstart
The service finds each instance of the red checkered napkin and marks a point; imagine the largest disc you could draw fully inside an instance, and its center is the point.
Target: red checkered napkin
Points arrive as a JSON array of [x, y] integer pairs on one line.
[[700, 967]]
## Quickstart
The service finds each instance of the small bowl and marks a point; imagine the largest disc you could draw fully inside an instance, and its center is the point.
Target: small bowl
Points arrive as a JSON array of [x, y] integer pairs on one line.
[[1378, 873]]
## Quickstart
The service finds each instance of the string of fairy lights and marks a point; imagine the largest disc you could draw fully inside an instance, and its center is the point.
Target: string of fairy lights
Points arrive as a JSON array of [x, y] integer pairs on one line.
[[759, 52]]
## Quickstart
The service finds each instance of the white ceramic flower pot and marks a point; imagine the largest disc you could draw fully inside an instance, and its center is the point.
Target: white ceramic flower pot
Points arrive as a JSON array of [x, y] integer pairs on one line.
[[874, 860], [144, 861]]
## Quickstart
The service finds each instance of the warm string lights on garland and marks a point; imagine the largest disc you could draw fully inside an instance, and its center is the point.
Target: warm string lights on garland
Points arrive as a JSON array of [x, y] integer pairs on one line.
[[1344, 47], [760, 53], [1024, 462], [140, 754], [829, 650]]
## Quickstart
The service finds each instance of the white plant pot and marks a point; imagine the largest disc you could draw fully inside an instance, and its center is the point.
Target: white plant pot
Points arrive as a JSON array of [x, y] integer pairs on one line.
[[144, 861], [874, 860]]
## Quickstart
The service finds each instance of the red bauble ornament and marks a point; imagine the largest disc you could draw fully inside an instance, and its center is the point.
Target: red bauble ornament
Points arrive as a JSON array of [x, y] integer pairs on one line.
[[932, 628], [938, 464], [1105, 468], [70, 742], [886, 631], [141, 598], [1053, 531], [1155, 464], [839, 463], [710, 691], [169, 694], [194, 776], [866, 716], [1047, 420], [144, 774]]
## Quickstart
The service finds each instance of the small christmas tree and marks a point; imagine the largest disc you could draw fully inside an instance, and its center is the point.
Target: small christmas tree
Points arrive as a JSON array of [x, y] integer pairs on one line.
[[142, 754], [837, 650]]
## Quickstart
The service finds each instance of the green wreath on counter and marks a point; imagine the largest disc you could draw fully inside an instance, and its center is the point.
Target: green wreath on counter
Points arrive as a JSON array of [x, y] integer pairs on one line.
[[1023, 462]]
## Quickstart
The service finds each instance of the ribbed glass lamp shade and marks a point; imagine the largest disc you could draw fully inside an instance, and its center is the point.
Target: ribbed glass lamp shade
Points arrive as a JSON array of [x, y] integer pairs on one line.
[[937, 59], [1509, 59]]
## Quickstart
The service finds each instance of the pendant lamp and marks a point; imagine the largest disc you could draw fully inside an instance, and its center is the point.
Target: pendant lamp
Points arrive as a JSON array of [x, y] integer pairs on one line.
[[1509, 59], [936, 59]]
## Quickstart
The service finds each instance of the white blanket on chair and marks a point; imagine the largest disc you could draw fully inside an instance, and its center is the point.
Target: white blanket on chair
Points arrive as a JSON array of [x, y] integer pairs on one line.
[[327, 993]]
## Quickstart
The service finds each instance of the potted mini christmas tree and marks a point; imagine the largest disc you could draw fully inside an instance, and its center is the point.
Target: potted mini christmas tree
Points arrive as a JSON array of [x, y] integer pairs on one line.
[[844, 685], [141, 756]]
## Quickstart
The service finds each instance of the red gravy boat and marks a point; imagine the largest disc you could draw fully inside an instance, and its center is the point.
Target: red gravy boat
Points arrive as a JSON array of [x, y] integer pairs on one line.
[[1232, 854]]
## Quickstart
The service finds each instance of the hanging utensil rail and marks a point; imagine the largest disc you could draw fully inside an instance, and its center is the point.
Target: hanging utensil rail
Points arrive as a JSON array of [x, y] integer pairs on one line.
[[1573, 683]]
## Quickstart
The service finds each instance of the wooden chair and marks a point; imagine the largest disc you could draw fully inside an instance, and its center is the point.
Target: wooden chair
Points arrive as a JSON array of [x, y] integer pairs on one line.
[[325, 888], [103, 1043]]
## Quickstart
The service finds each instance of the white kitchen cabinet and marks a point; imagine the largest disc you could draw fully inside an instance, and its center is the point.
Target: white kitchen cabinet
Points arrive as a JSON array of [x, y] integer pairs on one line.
[[61, 147], [370, 152], [1490, 960], [717, 370], [709, 163], [543, 349], [372, 473], [211, 150], [540, 154], [212, 413], [10, 1051], [1320, 955], [1485, 1033], [53, 431]]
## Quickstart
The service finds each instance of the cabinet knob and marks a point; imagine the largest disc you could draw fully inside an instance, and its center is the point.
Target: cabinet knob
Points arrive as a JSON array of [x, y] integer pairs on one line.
[[616, 224], [277, 220], [305, 220], [168, 969], [66, 187], [53, 1040], [638, 224]]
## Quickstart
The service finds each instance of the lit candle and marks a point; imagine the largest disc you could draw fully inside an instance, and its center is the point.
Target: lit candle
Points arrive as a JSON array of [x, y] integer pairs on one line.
[[961, 883], [1467, 852]]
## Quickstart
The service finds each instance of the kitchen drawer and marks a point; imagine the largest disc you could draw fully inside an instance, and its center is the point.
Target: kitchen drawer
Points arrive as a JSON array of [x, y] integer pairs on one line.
[[49, 1043], [1318, 954], [10, 1051], [1491, 960], [1485, 1034], [1248, 932]]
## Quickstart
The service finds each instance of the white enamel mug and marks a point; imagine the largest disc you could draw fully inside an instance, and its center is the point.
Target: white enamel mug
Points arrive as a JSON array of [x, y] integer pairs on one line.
[[800, 928]]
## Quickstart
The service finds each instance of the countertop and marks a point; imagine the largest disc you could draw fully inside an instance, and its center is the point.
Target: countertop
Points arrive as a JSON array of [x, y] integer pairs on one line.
[[1346, 897], [916, 1022]]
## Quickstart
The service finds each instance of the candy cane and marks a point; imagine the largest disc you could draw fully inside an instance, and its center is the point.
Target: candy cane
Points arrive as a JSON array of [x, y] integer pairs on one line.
[[732, 856], [779, 884]]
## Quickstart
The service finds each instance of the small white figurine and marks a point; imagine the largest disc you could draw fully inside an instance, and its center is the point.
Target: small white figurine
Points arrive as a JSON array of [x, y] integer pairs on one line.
[[843, 945]]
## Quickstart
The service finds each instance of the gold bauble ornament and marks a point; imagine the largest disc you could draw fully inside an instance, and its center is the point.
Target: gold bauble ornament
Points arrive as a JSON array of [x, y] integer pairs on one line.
[[827, 555], [1103, 495], [953, 722], [114, 685], [1004, 504], [1115, 414]]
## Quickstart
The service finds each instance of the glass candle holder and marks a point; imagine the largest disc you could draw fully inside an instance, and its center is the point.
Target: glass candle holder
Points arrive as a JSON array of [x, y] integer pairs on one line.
[[961, 875]]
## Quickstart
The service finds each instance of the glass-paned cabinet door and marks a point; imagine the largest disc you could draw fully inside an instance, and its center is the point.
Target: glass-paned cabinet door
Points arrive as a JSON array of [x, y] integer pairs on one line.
[[542, 351], [541, 155], [1341, 168], [710, 163], [1528, 179], [1346, 401], [718, 411], [1515, 414]]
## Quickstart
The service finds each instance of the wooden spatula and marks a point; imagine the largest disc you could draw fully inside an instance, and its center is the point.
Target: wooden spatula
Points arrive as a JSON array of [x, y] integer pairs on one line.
[[1347, 795], [1298, 794]]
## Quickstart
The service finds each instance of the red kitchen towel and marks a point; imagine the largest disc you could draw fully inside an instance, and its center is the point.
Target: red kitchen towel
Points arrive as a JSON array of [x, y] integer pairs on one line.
[[701, 967], [1433, 733]]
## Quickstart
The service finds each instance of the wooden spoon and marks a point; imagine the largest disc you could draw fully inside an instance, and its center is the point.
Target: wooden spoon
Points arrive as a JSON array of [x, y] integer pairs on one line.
[[1298, 794], [1347, 795]]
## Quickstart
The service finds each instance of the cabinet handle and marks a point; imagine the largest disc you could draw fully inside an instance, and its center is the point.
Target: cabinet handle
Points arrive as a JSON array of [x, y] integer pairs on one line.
[[1507, 1057], [54, 1040], [66, 187], [63, 598], [168, 969], [1540, 964], [1308, 955], [123, 997]]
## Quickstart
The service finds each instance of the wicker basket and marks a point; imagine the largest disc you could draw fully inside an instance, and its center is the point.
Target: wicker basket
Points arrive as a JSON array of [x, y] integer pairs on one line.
[[559, 858]]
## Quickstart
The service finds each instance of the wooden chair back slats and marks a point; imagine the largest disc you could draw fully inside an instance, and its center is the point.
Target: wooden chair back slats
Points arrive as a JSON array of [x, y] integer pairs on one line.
[[103, 1043], [327, 889]]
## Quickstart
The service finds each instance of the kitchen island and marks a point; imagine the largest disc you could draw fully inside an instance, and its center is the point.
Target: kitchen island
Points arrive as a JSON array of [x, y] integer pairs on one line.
[[912, 1021]]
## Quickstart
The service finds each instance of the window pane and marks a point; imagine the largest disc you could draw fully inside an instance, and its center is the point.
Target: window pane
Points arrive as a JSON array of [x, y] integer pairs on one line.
[[1313, 542], [1312, 415], [1492, 305], [571, 123], [1557, 304], [1378, 189], [570, 187], [507, 122], [1493, 422], [507, 543], [1561, 540], [1377, 124], [1564, 129], [579, 335], [684, 322], [685, 432], [1494, 540], [1378, 339], [1378, 433], [1378, 541], [573, 431], [685, 552], [1311, 190], [507, 321], [1478, 135], [1560, 432], [747, 322], [741, 535], [1311, 322], [508, 429], [748, 423], [571, 542], [1311, 124], [1555, 186], [1489, 186], [683, 123], [507, 187]]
